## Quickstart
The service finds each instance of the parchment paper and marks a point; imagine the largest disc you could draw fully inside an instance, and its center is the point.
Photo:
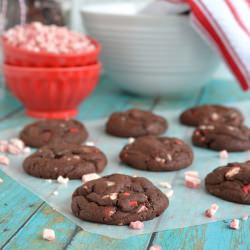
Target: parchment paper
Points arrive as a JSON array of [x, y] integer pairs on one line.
[[187, 206]]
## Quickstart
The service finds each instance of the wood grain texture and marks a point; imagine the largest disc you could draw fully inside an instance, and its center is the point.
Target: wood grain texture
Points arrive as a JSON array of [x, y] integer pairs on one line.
[[17, 206], [213, 236], [87, 241], [30, 236], [8, 105]]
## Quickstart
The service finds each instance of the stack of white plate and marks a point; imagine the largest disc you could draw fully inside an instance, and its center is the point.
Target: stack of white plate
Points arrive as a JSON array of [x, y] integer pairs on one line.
[[149, 55]]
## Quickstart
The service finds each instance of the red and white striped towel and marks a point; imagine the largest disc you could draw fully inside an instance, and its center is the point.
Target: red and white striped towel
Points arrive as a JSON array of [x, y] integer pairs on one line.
[[227, 24]]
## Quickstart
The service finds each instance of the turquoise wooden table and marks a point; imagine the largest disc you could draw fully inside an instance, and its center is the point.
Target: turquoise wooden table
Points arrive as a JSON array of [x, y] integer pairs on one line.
[[23, 216]]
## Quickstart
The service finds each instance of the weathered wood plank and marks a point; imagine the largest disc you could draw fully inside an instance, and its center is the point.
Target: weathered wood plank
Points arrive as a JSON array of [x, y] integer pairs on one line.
[[87, 241], [29, 237], [205, 237], [8, 104], [17, 205]]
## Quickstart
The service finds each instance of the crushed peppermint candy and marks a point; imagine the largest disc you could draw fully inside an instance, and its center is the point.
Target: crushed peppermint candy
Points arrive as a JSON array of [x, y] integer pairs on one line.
[[161, 160], [55, 193], [231, 128], [215, 206], [3, 142], [206, 127], [197, 133], [142, 209], [14, 150], [232, 171], [17, 143], [1, 180], [192, 182], [90, 143], [75, 157], [136, 225], [223, 154], [169, 193], [214, 116], [126, 194], [179, 142], [3, 148], [4, 160], [62, 180], [73, 130], [169, 156], [113, 196], [27, 150], [109, 211], [210, 127], [110, 183], [192, 173], [131, 140], [48, 180], [192, 179], [165, 184], [155, 247], [49, 234], [90, 177], [246, 189], [234, 224], [245, 217], [39, 38], [14, 146], [133, 203], [202, 127], [210, 212]]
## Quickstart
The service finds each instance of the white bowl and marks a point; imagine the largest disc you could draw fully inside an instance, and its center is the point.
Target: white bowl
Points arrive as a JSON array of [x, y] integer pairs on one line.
[[150, 55]]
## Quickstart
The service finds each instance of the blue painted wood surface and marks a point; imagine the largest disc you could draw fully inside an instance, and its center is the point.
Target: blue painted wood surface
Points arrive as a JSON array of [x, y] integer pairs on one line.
[[23, 215]]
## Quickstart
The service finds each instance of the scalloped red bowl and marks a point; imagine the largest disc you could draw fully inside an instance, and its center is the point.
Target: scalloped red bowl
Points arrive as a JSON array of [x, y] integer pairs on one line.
[[20, 57], [52, 93]]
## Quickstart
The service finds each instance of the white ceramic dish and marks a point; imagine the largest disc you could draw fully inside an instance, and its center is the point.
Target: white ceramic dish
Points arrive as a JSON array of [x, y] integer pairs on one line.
[[150, 55]]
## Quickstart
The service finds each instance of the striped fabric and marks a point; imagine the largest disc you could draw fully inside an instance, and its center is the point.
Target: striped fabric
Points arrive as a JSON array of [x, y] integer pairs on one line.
[[227, 24]]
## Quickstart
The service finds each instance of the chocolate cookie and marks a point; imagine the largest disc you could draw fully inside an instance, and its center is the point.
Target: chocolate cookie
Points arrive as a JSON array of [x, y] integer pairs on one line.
[[231, 182], [135, 123], [222, 137], [209, 114], [118, 199], [67, 160], [157, 154], [44, 132]]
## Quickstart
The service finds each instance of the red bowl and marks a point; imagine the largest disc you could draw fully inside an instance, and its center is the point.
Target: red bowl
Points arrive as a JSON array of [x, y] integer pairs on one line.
[[20, 57], [52, 92]]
